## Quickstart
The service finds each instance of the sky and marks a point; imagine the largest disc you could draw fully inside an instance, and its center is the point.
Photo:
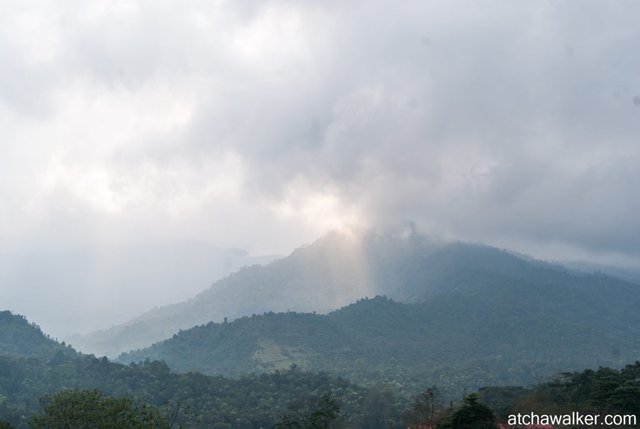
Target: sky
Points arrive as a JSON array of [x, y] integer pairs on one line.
[[261, 125]]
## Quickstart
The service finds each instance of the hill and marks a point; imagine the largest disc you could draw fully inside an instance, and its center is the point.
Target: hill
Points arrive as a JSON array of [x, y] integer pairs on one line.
[[334, 271], [33, 366], [253, 401], [488, 328], [18, 337], [78, 289], [320, 277], [604, 391]]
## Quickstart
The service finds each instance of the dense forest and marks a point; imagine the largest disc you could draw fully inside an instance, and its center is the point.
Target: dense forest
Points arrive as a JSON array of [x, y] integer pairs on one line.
[[44, 384], [197, 400], [603, 391], [337, 270], [460, 319], [30, 373], [451, 341]]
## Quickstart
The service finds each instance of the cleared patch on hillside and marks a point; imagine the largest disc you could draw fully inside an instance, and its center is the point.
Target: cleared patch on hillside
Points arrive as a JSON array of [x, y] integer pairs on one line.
[[270, 356]]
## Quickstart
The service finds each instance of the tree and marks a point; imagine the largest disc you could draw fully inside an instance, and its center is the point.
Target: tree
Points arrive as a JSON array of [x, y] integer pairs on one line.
[[472, 415], [327, 411], [324, 414], [423, 410], [90, 409], [379, 409]]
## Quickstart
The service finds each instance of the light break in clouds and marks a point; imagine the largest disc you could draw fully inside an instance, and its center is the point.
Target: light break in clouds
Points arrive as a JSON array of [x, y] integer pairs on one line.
[[264, 124]]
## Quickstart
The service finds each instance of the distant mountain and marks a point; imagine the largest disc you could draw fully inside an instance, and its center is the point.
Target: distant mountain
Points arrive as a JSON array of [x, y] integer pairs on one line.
[[18, 337], [328, 274], [629, 274], [81, 289], [516, 324], [37, 366], [339, 269], [33, 366]]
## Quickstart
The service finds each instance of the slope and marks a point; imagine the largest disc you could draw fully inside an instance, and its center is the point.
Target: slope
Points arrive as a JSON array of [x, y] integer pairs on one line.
[[18, 337], [516, 325], [335, 271], [31, 372]]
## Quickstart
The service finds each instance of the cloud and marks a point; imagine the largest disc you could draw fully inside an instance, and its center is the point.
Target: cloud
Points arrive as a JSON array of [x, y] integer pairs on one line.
[[263, 124]]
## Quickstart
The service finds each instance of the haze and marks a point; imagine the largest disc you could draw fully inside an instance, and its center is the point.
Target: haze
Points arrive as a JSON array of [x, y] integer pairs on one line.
[[129, 127]]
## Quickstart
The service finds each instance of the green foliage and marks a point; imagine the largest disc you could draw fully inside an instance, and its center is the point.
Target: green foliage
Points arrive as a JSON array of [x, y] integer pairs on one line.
[[422, 411], [603, 391], [465, 286], [290, 398], [472, 415], [479, 317], [90, 409], [380, 409], [44, 367], [18, 337], [449, 341], [501, 398], [322, 417], [192, 400], [327, 411]]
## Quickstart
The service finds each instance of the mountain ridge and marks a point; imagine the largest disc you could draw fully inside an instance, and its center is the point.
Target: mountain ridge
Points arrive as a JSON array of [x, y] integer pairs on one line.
[[21, 338], [473, 336], [330, 273]]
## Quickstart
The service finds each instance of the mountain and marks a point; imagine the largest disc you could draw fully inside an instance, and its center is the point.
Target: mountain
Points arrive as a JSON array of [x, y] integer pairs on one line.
[[330, 273], [514, 325], [33, 367], [79, 289], [30, 374], [18, 337], [321, 277], [631, 275], [337, 270], [603, 391]]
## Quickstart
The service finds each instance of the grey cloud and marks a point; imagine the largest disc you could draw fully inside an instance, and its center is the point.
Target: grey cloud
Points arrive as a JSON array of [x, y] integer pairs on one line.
[[533, 90], [493, 121], [378, 91]]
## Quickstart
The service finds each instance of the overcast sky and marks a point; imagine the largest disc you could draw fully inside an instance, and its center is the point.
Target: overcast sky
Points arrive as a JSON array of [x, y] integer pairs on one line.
[[263, 124]]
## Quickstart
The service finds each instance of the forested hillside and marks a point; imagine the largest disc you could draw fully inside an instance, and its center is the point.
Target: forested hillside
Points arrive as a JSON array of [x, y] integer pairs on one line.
[[18, 337], [339, 269], [252, 401], [46, 383], [603, 391], [500, 333], [195, 400]]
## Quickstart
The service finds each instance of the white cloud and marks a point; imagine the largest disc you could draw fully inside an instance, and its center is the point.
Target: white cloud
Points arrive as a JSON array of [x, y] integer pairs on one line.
[[427, 110], [262, 124]]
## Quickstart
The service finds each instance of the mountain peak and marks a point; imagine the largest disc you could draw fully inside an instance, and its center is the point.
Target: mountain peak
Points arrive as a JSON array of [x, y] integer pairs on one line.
[[334, 271], [18, 337]]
